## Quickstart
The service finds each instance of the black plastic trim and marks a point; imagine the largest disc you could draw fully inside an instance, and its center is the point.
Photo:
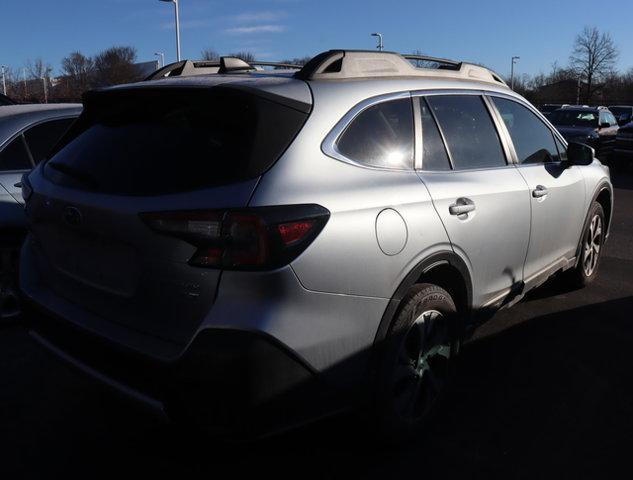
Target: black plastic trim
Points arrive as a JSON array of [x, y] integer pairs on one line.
[[425, 266]]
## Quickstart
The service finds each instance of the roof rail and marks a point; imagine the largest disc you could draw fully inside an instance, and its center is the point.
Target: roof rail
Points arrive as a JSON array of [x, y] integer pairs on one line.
[[344, 64], [188, 68]]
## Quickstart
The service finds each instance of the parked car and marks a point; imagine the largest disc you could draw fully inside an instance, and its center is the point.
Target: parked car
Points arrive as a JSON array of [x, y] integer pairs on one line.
[[4, 100], [27, 133], [548, 108], [252, 250], [593, 126], [623, 113], [624, 143]]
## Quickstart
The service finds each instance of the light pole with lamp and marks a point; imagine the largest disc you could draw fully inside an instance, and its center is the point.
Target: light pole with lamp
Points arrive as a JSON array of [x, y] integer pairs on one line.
[[4, 81], [161, 59], [514, 60], [175, 2], [380, 45]]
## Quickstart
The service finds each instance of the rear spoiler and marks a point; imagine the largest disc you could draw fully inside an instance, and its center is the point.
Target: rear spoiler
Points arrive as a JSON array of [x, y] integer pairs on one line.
[[188, 68]]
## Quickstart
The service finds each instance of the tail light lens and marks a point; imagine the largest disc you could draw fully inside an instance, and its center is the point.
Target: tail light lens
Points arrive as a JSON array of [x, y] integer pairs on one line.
[[251, 239]]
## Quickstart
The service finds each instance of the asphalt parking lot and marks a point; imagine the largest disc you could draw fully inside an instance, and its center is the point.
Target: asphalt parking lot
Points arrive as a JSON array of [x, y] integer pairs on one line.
[[544, 390]]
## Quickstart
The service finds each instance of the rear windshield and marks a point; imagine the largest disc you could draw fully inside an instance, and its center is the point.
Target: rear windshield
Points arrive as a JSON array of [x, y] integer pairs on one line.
[[172, 140], [574, 118]]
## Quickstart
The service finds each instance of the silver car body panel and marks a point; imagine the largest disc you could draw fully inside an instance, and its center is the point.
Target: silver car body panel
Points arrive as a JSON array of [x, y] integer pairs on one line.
[[14, 120], [327, 305]]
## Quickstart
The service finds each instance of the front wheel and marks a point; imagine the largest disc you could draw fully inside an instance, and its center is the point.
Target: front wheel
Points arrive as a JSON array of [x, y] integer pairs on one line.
[[591, 246], [417, 360]]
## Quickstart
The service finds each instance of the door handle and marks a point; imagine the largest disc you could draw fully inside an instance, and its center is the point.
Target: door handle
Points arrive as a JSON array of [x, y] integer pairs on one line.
[[540, 191], [461, 206]]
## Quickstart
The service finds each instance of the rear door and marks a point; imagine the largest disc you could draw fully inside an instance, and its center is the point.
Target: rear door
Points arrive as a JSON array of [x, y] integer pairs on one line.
[[28, 149], [557, 190], [481, 198], [15, 160]]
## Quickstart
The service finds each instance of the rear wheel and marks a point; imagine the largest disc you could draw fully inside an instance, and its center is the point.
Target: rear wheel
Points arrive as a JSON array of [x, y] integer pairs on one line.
[[417, 361], [586, 268]]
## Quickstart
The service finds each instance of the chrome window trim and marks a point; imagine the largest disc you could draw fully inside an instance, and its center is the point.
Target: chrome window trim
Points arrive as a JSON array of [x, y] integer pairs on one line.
[[329, 145]]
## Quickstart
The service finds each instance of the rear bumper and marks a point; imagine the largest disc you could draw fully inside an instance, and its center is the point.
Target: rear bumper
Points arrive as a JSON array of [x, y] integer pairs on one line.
[[231, 383], [269, 354]]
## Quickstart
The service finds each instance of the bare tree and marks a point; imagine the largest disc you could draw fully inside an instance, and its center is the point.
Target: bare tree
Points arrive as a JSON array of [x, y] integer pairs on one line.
[[78, 70], [210, 54], [115, 65], [38, 69], [593, 57]]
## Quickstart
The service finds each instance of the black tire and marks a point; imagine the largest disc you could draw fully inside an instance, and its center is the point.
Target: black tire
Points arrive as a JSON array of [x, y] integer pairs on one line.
[[408, 390], [580, 275]]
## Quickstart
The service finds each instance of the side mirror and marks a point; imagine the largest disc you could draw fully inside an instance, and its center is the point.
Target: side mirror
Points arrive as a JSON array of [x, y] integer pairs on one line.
[[579, 154], [605, 125]]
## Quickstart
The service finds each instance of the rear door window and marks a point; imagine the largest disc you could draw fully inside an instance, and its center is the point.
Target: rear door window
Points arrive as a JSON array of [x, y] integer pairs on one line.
[[471, 137], [381, 136], [434, 156], [533, 140], [169, 140], [42, 137], [15, 156]]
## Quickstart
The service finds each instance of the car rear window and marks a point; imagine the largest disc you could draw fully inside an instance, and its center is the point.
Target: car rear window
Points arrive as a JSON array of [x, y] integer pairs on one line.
[[574, 118], [153, 142]]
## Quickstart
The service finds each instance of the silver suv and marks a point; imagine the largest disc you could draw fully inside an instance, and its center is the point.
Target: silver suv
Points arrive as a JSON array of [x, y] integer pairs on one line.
[[248, 250]]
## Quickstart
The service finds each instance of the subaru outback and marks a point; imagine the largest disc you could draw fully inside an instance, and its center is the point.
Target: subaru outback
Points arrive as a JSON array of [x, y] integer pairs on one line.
[[250, 250]]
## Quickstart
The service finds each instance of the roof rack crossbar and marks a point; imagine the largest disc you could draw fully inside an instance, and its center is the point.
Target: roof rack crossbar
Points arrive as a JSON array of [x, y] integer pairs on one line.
[[425, 58]]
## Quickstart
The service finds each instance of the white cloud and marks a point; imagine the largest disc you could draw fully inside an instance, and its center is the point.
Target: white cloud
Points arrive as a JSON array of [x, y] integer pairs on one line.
[[255, 17], [246, 30]]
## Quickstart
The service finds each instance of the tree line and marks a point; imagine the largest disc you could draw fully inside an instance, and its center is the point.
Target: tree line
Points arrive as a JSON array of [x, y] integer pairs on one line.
[[34, 82], [590, 76]]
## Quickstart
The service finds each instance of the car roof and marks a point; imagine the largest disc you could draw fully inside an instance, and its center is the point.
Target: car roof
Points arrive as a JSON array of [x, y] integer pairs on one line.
[[15, 118]]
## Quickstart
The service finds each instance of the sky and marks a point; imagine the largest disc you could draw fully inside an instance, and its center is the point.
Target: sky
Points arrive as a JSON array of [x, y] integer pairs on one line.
[[490, 32]]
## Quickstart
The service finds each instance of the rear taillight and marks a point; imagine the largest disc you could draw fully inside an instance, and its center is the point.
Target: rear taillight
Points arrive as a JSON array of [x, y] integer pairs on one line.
[[251, 239]]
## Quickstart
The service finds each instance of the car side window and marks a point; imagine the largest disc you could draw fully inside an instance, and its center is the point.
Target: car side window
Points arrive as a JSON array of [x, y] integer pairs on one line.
[[434, 156], [381, 136], [611, 119], [562, 150], [533, 140], [471, 137], [42, 137], [15, 156]]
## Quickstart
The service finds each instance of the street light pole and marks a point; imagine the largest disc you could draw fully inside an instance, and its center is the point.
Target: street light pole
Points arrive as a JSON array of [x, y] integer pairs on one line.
[[4, 81], [175, 2], [380, 45], [161, 59], [514, 60]]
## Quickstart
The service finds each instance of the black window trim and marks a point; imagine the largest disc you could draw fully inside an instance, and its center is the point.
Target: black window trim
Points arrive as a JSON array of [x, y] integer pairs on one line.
[[21, 133], [329, 145]]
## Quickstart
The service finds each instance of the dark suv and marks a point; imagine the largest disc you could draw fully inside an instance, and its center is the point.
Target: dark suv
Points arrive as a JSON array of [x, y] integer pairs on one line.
[[623, 113], [593, 126]]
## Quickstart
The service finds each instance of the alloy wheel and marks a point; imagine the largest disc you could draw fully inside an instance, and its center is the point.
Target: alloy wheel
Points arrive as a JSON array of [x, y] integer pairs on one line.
[[422, 366], [592, 246]]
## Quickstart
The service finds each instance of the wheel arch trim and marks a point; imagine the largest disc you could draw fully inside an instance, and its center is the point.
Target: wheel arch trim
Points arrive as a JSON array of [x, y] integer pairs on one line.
[[423, 267]]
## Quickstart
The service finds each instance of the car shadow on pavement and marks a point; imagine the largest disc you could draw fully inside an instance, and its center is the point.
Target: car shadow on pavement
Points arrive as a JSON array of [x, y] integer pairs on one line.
[[548, 397]]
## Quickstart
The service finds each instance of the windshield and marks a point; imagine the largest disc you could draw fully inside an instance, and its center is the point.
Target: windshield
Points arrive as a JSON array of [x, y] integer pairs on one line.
[[158, 142], [575, 118]]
